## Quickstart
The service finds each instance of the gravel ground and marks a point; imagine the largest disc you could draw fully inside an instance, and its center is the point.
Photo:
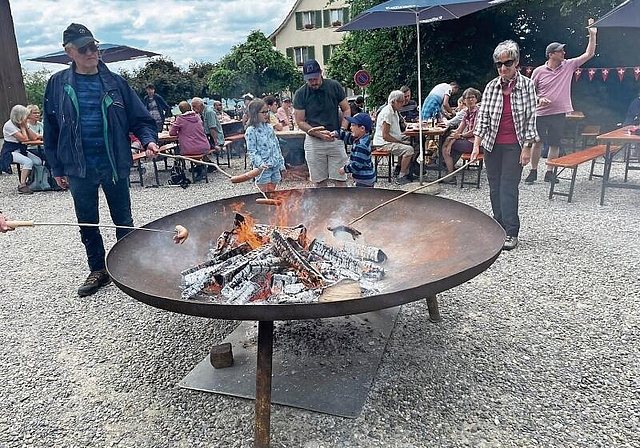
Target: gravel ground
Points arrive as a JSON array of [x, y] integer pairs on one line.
[[541, 350]]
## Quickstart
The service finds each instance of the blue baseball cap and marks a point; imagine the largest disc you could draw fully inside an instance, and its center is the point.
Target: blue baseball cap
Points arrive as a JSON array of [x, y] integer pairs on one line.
[[361, 119]]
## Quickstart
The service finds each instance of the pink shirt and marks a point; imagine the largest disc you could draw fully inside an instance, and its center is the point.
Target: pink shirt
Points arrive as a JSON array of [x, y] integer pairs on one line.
[[506, 128], [191, 137], [556, 86]]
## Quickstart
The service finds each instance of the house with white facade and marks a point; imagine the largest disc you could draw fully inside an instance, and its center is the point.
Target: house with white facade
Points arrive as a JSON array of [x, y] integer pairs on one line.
[[309, 30]]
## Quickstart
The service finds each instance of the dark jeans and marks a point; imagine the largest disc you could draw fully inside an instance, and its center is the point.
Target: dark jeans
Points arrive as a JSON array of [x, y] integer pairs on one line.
[[503, 173], [85, 200]]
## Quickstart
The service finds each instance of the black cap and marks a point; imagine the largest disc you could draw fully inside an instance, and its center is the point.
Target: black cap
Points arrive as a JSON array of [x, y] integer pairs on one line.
[[311, 69], [78, 35]]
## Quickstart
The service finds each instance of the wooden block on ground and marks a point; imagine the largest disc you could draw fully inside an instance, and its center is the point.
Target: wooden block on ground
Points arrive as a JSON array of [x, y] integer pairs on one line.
[[221, 355]]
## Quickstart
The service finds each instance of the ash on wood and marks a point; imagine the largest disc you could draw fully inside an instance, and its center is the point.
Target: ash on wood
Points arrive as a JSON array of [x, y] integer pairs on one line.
[[221, 355]]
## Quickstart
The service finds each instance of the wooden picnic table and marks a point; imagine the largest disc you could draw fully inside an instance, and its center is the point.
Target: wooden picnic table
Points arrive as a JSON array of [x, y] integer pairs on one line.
[[623, 135]]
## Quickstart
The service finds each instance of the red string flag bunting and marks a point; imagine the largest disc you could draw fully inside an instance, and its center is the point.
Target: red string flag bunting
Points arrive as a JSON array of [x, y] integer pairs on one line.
[[621, 71], [577, 74], [605, 74], [636, 72], [591, 72]]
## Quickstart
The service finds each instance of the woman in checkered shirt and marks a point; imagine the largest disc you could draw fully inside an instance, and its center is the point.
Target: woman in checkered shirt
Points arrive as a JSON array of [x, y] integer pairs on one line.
[[506, 129]]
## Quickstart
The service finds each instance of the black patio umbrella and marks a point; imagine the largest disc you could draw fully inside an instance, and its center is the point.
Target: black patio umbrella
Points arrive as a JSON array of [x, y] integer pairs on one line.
[[625, 15], [108, 53], [414, 12]]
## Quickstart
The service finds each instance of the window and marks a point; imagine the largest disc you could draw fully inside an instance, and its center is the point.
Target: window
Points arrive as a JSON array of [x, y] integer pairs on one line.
[[335, 17], [308, 20], [327, 51], [301, 54]]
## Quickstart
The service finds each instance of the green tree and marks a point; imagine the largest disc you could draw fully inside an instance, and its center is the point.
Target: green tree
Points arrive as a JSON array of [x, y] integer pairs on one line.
[[461, 49], [256, 67], [35, 84], [171, 82]]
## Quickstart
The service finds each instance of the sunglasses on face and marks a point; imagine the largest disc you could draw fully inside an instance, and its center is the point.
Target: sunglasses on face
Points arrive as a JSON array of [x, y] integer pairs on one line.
[[265, 112], [92, 47], [507, 63]]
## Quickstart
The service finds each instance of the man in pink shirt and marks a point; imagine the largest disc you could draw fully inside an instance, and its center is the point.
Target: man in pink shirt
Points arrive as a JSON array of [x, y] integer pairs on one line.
[[553, 88]]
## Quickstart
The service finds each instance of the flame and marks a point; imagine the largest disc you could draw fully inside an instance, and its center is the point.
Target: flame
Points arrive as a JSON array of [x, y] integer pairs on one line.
[[245, 232]]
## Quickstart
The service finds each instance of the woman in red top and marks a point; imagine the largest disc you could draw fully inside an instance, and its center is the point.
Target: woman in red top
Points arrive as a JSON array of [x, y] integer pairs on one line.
[[505, 130], [461, 140]]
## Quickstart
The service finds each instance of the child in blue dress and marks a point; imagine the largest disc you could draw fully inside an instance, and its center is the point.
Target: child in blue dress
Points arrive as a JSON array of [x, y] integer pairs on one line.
[[263, 147]]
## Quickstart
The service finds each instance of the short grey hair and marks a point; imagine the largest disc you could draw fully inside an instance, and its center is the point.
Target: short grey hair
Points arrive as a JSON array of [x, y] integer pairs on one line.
[[18, 114], [396, 96], [197, 101], [510, 48]]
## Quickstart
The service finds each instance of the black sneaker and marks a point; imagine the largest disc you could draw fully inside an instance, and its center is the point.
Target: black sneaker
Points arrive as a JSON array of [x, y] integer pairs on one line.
[[404, 180], [532, 177], [549, 177], [510, 242], [95, 281]]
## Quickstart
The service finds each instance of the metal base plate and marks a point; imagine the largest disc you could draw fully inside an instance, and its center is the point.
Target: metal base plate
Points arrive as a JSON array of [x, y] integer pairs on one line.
[[323, 365]]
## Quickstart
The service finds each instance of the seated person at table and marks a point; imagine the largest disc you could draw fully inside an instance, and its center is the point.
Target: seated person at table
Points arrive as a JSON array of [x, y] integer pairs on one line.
[[461, 140], [263, 147], [633, 114], [15, 131], [388, 136], [188, 128], [34, 123], [285, 113], [360, 165], [436, 104], [460, 111], [223, 117], [357, 105], [409, 110], [272, 105], [210, 123]]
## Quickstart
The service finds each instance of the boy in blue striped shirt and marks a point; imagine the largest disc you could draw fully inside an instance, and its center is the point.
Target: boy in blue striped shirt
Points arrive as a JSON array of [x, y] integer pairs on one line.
[[360, 165]]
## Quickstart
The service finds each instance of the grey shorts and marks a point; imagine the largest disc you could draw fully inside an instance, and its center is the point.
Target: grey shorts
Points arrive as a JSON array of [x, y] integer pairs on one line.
[[399, 149], [324, 159]]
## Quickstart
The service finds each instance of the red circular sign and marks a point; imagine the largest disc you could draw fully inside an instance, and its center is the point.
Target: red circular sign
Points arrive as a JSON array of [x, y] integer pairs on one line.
[[362, 78]]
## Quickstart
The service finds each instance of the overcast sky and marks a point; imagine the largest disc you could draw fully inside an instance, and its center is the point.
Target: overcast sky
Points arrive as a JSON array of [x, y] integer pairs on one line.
[[182, 30]]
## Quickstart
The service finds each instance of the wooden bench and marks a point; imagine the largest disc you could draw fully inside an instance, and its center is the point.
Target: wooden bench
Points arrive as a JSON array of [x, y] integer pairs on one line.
[[377, 154], [137, 163], [475, 166], [572, 161]]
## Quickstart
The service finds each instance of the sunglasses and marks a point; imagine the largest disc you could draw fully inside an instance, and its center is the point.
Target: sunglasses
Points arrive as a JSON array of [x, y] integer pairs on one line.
[[264, 112], [92, 47], [508, 63]]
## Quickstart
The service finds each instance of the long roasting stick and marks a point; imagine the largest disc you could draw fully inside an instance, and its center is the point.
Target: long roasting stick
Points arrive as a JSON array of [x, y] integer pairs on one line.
[[201, 162], [16, 224], [413, 190]]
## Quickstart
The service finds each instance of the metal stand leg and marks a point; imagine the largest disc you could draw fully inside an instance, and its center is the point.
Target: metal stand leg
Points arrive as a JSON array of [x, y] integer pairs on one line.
[[263, 384], [434, 313]]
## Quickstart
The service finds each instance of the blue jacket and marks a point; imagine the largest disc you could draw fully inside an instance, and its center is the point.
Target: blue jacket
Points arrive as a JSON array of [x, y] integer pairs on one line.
[[163, 107], [122, 112]]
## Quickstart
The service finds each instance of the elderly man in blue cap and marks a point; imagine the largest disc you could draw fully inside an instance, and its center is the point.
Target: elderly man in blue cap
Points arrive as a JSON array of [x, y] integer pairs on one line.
[[89, 112]]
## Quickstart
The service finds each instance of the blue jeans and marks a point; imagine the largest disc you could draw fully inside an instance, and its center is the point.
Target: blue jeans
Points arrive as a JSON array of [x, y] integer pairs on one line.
[[503, 173], [85, 201]]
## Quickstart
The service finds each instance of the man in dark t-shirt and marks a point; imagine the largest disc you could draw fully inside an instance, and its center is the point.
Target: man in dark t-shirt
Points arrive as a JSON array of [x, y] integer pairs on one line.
[[316, 113]]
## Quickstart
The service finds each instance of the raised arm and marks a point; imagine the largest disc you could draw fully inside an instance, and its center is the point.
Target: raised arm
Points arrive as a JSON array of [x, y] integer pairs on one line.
[[591, 45]]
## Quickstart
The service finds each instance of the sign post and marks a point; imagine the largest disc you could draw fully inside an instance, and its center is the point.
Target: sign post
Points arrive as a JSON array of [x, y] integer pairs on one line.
[[362, 78]]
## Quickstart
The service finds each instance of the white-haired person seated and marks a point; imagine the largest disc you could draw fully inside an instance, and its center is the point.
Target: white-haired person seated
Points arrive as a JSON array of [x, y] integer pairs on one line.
[[15, 132]]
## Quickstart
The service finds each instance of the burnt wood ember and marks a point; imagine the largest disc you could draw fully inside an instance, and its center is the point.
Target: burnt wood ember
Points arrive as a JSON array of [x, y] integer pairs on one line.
[[370, 253], [280, 269], [297, 233], [287, 251]]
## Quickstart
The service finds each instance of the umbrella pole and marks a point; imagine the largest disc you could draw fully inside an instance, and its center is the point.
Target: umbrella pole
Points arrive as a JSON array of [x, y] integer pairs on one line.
[[421, 163]]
